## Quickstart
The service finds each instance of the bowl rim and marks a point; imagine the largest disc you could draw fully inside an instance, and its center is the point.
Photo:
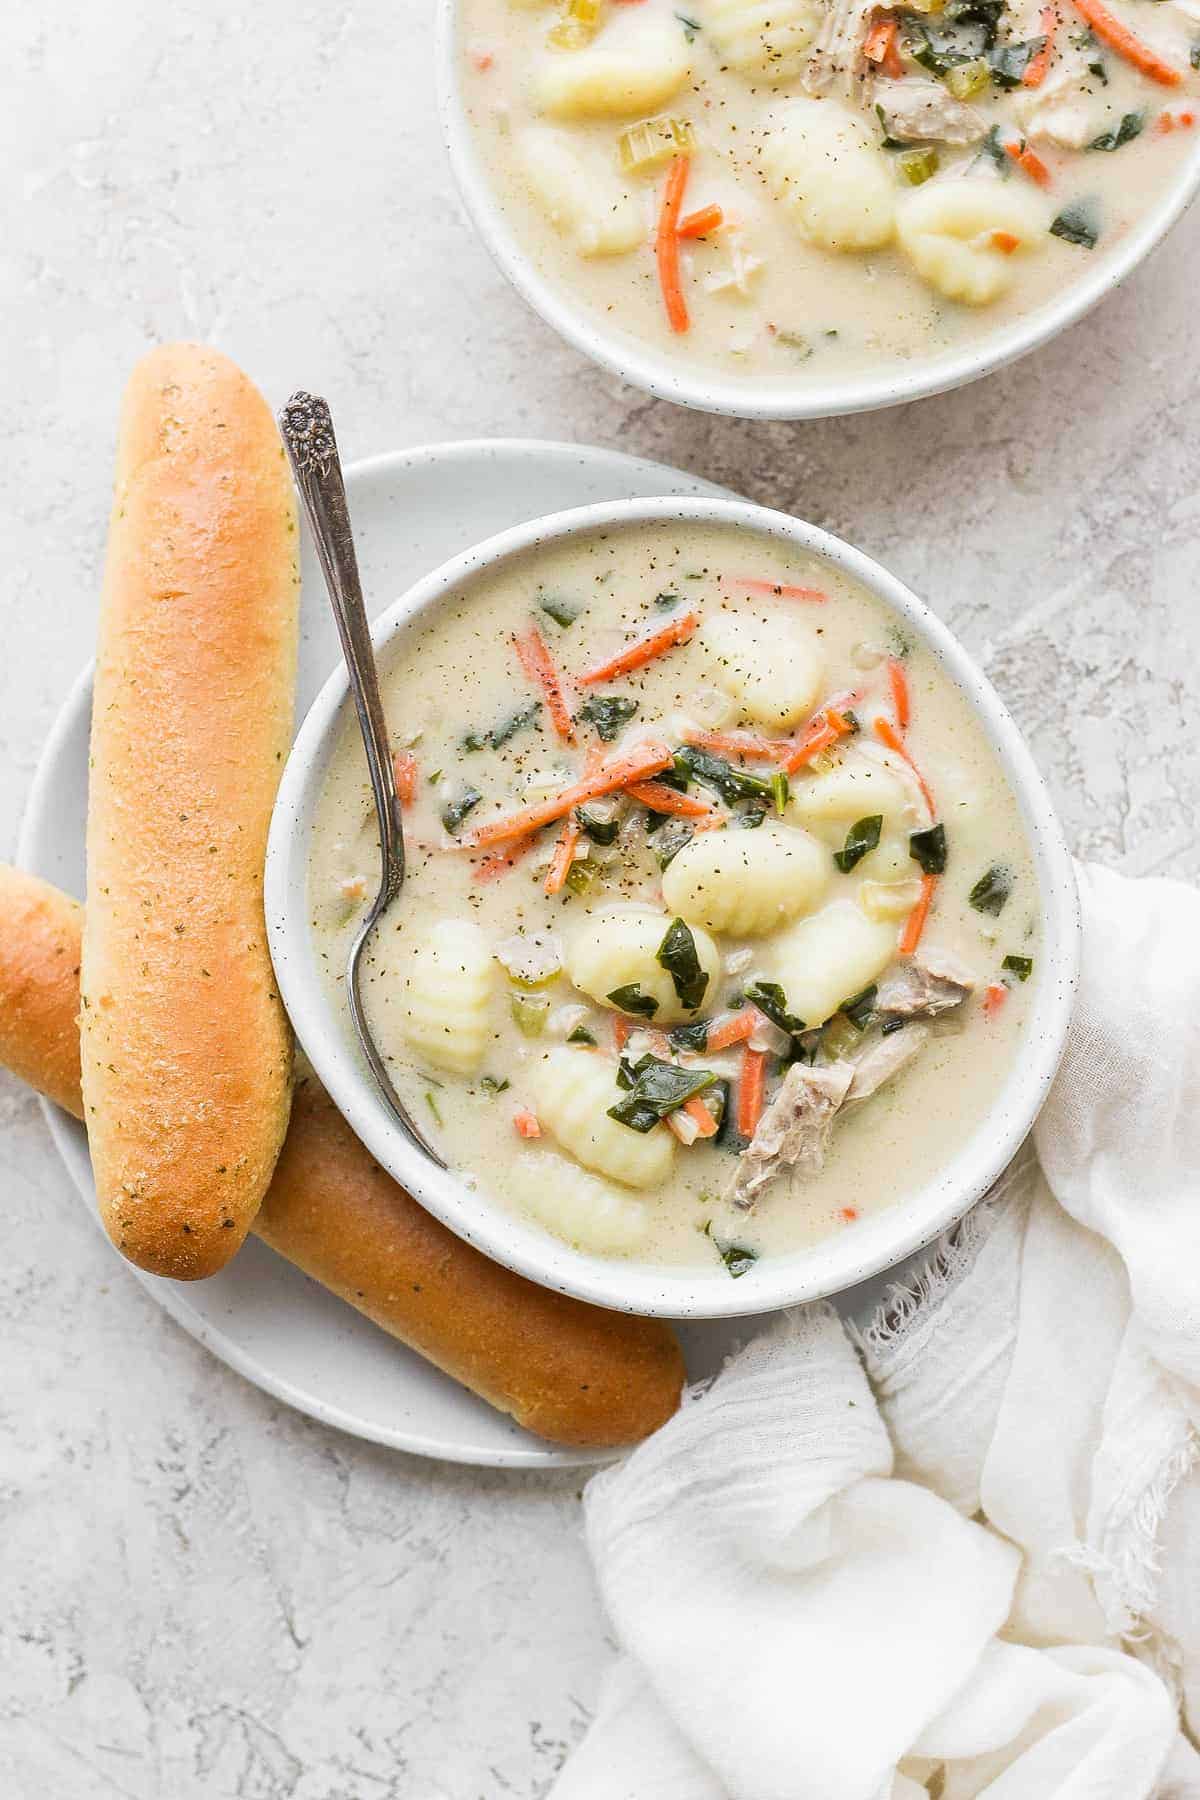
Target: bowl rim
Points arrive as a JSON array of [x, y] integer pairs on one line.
[[876, 1243], [654, 372]]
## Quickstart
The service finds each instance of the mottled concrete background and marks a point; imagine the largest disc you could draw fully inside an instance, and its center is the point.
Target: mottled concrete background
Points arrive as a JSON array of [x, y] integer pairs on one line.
[[204, 1594]]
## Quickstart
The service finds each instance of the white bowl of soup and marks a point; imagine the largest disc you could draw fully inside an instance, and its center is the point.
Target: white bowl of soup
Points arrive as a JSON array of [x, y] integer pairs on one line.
[[739, 938], [792, 208]]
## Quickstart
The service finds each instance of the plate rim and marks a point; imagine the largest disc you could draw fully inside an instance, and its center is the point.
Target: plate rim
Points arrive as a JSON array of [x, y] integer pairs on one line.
[[172, 1297]]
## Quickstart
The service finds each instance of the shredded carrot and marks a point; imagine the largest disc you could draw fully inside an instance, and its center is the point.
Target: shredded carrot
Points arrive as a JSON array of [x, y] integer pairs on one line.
[[1038, 67], [751, 1089], [1174, 121], [898, 682], [621, 1031], [1118, 37], [698, 1113], [637, 655], [914, 925], [777, 590], [735, 1028], [526, 1123], [699, 224], [881, 48], [666, 244], [564, 856], [849, 1213], [822, 731], [483, 60], [994, 996], [747, 744], [538, 664], [491, 868], [1005, 241], [662, 799], [645, 760], [1029, 162], [407, 774], [885, 730]]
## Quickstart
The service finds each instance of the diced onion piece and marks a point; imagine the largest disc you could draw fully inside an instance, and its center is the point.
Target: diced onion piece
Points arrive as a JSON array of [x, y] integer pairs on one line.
[[532, 957], [889, 899]]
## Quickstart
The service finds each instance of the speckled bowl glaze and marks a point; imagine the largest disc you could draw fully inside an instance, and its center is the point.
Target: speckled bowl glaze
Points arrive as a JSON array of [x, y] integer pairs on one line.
[[661, 375], [632, 1286]]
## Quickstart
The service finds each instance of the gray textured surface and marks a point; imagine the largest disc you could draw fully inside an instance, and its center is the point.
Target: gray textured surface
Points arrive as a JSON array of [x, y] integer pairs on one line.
[[206, 1595]]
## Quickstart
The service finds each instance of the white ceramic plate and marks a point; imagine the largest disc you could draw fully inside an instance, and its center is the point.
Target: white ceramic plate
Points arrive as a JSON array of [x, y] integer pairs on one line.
[[261, 1316]]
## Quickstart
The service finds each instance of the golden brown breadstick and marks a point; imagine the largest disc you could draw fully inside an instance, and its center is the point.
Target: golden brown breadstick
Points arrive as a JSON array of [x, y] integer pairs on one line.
[[186, 1048], [563, 1369]]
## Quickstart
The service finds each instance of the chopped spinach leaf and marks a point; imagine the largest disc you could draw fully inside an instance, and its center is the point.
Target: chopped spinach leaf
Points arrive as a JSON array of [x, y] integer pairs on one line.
[[506, 729], [609, 713], [1020, 966], [859, 1008], [689, 1037], [658, 1088], [1101, 73], [694, 764], [625, 1074], [563, 612], [600, 825], [888, 143], [771, 1000], [862, 836], [667, 599], [678, 955], [671, 840], [1131, 126], [1079, 224], [993, 148], [1194, 56], [456, 810], [738, 1258], [580, 1035], [991, 891], [1010, 61], [691, 27], [928, 848], [631, 999], [892, 1023], [491, 1086], [983, 13], [750, 820]]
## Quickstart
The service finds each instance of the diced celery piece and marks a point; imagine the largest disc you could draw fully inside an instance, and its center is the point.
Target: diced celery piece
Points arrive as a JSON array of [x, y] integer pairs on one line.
[[917, 166], [529, 1013], [652, 142], [839, 1038], [581, 20], [966, 80], [582, 877]]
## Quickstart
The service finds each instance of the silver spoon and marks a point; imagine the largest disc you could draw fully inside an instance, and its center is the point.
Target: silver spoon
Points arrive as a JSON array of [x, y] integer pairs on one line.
[[307, 430]]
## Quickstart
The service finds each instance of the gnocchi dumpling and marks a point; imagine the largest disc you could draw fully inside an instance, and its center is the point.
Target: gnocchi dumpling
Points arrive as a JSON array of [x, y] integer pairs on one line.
[[821, 164], [765, 40], [828, 958], [585, 203], [965, 237], [774, 676], [746, 882], [446, 987], [633, 67], [855, 789], [617, 953], [573, 1090], [576, 1205]]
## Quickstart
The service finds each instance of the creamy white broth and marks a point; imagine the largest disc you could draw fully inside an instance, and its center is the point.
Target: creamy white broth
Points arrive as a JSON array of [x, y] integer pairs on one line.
[[765, 301], [453, 676]]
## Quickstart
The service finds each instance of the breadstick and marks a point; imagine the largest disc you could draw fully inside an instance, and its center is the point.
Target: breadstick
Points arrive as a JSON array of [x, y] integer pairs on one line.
[[185, 1045], [563, 1369]]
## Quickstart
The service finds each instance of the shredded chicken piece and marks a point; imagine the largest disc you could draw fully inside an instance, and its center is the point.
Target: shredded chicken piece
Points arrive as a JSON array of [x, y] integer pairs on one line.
[[922, 987], [884, 1059], [916, 109], [794, 1131], [837, 59], [1070, 107]]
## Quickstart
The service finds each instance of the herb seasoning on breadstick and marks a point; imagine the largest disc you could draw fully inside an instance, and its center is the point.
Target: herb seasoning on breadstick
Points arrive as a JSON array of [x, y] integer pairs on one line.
[[561, 1368], [186, 1051]]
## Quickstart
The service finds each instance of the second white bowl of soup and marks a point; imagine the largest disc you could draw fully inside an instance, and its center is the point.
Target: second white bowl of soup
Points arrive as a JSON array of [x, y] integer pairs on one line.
[[788, 208], [738, 940]]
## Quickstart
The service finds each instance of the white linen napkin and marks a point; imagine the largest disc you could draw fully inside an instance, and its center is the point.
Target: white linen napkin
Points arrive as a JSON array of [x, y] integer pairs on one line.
[[960, 1555]]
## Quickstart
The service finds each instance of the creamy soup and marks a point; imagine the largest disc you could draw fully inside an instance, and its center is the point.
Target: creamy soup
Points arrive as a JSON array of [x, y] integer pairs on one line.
[[809, 188], [720, 927]]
